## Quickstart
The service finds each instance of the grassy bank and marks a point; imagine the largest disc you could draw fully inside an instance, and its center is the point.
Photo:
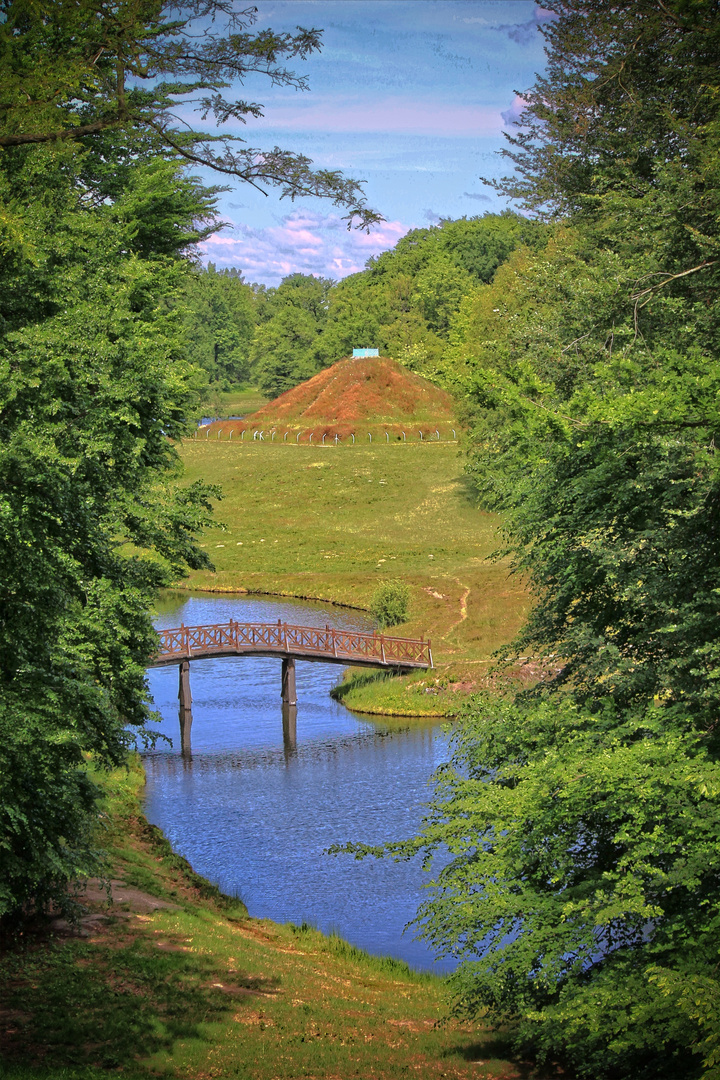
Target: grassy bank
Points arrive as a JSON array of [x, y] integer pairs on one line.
[[331, 522], [175, 980]]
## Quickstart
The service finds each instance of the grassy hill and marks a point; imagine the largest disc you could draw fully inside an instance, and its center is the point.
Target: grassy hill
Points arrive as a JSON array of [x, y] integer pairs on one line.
[[373, 396], [361, 390]]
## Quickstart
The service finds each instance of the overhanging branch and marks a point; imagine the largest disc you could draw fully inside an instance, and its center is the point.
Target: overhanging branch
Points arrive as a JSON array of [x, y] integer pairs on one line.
[[54, 136]]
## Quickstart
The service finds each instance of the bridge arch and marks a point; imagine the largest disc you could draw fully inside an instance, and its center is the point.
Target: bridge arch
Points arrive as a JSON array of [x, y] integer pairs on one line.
[[328, 645]]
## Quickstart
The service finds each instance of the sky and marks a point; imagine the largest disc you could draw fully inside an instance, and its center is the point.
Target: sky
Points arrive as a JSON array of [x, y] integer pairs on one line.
[[409, 96]]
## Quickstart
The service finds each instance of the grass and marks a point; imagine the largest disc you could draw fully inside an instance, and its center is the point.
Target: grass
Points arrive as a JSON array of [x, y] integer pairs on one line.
[[195, 989], [331, 523]]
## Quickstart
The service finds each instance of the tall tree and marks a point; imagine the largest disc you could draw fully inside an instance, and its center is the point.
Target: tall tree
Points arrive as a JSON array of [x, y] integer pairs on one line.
[[76, 68], [285, 345], [582, 892], [405, 299], [220, 323], [98, 222], [95, 390]]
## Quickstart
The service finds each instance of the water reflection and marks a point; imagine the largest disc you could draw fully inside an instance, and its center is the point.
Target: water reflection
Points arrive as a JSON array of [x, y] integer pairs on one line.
[[269, 788], [289, 722]]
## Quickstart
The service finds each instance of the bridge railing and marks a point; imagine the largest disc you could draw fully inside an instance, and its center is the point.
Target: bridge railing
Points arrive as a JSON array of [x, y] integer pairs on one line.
[[184, 642]]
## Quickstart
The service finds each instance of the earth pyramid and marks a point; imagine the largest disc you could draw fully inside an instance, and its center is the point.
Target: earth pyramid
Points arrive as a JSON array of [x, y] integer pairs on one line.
[[370, 390]]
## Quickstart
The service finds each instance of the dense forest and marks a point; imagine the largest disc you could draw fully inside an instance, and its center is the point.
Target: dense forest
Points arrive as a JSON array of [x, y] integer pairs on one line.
[[405, 303]]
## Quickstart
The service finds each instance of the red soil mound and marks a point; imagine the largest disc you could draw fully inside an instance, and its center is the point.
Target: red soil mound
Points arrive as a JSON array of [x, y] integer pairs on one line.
[[368, 389]]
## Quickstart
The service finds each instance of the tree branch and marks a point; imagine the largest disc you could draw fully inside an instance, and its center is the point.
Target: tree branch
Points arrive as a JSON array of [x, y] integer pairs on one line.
[[54, 136], [671, 277]]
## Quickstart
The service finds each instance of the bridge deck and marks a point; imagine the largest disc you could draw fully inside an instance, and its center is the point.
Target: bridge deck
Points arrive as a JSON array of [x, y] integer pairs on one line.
[[299, 642]]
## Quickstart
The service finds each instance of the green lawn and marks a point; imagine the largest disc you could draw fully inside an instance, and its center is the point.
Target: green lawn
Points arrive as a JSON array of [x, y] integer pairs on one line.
[[331, 522]]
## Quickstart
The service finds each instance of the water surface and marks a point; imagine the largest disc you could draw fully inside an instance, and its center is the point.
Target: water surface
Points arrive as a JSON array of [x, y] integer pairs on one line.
[[255, 813]]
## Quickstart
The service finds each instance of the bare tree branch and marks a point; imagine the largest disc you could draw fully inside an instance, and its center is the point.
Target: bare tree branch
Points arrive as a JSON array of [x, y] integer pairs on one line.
[[670, 277]]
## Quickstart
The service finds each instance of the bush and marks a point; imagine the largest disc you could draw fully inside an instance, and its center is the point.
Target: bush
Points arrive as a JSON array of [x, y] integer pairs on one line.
[[390, 603]]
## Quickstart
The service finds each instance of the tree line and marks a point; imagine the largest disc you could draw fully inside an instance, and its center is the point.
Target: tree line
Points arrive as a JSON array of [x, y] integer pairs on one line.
[[403, 303]]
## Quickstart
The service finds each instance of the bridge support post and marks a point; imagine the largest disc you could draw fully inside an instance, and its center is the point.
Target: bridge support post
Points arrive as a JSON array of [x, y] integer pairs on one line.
[[185, 699], [289, 694]]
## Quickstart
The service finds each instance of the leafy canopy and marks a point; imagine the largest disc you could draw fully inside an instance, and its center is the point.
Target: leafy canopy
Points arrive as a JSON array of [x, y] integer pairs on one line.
[[76, 68], [99, 219], [95, 389]]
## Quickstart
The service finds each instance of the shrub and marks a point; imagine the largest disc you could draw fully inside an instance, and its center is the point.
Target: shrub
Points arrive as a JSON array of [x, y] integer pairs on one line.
[[390, 603]]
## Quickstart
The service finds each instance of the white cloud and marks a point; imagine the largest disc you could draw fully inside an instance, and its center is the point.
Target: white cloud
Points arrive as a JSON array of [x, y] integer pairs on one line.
[[302, 242]]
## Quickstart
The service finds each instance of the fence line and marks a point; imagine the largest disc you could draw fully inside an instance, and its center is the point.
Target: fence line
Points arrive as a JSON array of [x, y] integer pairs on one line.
[[432, 435]]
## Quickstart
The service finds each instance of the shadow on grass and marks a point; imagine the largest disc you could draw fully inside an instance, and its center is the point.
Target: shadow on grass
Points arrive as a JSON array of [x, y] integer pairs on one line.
[[467, 489], [106, 1004], [492, 1048]]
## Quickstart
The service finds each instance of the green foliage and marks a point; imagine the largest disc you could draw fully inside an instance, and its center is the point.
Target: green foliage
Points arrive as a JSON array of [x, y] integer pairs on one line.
[[569, 881], [581, 892], [99, 308], [581, 889], [390, 603], [220, 323], [284, 347], [405, 300], [406, 303], [282, 351], [94, 391], [47, 812]]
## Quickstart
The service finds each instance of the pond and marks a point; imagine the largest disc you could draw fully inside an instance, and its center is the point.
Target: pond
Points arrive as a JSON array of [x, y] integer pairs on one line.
[[255, 812]]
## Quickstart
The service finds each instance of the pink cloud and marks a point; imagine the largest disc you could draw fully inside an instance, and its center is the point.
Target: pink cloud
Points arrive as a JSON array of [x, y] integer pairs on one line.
[[302, 242], [513, 115], [394, 115], [542, 15]]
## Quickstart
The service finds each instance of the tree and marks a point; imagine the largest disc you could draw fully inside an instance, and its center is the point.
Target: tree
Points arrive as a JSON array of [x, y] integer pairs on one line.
[[438, 291], [405, 299], [578, 884], [282, 351], [285, 350], [95, 391], [353, 321], [98, 225], [582, 891], [73, 69], [302, 291], [220, 324]]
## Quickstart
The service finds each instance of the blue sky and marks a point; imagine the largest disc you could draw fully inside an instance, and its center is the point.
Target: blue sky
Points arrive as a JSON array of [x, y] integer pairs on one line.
[[410, 96]]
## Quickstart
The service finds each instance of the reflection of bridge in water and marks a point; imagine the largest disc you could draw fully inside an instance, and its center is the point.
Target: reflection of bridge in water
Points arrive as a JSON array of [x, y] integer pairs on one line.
[[290, 643]]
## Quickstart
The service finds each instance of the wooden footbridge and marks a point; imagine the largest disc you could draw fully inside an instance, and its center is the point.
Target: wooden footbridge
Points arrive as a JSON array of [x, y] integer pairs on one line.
[[290, 643]]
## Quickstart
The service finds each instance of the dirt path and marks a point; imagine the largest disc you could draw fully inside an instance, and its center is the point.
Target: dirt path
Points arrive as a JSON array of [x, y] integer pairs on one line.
[[463, 608]]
